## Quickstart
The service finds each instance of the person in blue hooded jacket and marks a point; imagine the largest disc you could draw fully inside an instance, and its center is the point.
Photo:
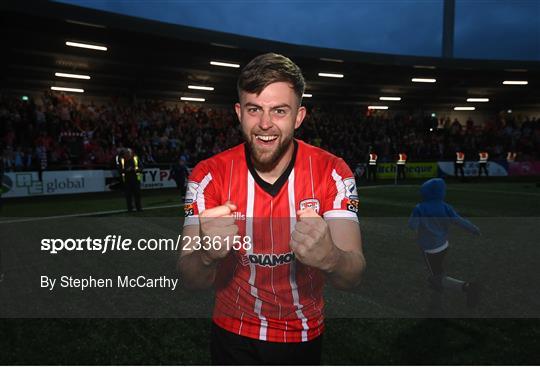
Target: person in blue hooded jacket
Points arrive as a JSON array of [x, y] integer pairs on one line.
[[431, 219]]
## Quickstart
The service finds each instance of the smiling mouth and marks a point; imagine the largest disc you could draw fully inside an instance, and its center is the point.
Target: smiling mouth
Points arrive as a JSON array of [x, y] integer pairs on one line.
[[266, 138]]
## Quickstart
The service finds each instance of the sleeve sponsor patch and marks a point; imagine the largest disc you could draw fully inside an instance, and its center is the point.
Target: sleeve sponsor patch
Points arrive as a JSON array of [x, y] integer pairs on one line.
[[350, 188], [189, 210], [191, 192], [352, 205]]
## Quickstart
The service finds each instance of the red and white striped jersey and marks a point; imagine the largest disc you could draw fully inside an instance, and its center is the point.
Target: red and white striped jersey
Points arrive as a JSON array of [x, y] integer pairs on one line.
[[264, 293]]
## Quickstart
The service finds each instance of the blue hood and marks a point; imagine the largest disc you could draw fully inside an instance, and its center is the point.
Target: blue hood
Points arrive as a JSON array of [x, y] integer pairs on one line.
[[432, 217], [434, 189]]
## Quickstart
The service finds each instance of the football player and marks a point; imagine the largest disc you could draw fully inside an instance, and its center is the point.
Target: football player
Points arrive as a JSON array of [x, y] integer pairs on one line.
[[292, 206]]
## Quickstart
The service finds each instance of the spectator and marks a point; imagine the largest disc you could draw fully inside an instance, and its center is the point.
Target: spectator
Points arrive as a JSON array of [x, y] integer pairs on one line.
[[87, 134]]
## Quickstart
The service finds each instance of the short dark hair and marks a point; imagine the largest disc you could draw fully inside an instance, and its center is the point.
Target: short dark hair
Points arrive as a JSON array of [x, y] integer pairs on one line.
[[267, 69]]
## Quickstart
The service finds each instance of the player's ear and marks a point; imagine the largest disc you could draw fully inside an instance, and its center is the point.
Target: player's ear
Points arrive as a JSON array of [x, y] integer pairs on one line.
[[238, 110], [300, 115]]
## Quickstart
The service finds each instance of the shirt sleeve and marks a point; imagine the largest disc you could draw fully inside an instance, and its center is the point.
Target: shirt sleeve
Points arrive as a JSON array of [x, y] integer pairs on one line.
[[201, 193], [342, 197], [461, 222]]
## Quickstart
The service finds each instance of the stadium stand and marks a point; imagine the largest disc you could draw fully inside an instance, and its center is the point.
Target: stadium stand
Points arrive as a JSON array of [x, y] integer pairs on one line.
[[59, 131]]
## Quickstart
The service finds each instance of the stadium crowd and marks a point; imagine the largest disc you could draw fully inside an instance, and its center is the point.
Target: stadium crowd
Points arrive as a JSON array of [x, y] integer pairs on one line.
[[60, 131]]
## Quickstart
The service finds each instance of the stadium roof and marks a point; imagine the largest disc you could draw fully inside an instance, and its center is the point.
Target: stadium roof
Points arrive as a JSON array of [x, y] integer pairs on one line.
[[158, 60]]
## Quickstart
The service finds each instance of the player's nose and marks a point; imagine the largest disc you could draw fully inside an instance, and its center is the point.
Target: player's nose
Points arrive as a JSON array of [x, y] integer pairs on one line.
[[265, 122]]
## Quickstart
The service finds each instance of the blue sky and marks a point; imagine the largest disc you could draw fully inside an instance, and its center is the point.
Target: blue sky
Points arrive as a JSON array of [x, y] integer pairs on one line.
[[491, 29], [498, 29]]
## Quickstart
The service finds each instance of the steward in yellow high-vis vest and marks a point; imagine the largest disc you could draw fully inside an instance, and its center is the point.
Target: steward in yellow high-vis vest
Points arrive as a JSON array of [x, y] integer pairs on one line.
[[131, 169]]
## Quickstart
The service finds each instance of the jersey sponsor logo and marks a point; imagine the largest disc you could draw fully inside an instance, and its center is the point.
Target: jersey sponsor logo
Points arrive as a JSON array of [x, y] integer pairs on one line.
[[191, 192], [239, 216], [310, 203], [350, 187], [352, 205], [244, 260], [269, 260]]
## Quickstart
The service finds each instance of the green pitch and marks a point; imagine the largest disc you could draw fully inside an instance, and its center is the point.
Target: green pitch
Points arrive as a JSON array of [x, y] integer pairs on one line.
[[382, 322]]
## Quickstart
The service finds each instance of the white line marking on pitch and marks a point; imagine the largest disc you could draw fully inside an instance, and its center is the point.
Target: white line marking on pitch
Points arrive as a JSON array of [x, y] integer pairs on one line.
[[35, 219], [494, 191], [383, 186], [452, 187]]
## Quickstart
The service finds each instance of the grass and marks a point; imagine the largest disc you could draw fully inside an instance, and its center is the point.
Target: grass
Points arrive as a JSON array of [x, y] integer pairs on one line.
[[383, 322]]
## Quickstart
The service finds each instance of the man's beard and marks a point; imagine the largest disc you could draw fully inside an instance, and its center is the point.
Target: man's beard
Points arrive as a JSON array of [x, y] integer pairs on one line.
[[266, 161]]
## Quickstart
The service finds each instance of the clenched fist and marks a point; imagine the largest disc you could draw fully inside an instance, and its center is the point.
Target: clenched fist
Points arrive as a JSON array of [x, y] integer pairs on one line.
[[311, 241], [218, 222]]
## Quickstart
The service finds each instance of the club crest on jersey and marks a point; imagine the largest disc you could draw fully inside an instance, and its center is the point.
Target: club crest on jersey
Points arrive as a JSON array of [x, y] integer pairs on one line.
[[350, 188], [191, 192], [310, 203], [269, 260]]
